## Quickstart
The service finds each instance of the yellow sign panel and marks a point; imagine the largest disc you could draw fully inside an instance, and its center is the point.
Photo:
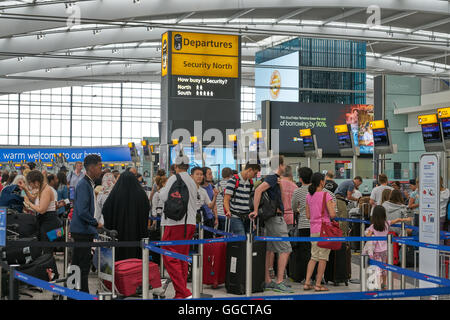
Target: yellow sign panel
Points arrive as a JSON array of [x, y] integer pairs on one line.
[[341, 128], [205, 43], [443, 113], [164, 54], [205, 66], [305, 133], [427, 119], [378, 124]]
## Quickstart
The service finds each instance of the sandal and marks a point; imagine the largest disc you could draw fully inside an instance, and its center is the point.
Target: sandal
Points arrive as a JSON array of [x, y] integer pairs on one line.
[[307, 287], [321, 288]]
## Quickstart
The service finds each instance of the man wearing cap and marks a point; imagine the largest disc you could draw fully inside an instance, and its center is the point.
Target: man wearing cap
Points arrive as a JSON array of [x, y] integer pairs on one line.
[[175, 230]]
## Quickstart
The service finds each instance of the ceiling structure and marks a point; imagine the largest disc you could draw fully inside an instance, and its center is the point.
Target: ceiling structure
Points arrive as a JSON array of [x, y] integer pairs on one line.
[[47, 43]]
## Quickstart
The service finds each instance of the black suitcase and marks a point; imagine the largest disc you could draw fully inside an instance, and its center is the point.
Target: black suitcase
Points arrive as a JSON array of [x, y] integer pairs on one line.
[[338, 267], [235, 267], [355, 231], [155, 235], [299, 258], [41, 268], [27, 224], [16, 255]]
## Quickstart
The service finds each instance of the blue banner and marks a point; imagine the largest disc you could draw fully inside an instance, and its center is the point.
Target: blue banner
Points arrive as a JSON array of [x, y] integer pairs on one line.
[[169, 253], [108, 154], [2, 227]]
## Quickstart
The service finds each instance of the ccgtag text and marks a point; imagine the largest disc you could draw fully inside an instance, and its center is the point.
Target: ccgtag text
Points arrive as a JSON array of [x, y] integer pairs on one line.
[[246, 309]]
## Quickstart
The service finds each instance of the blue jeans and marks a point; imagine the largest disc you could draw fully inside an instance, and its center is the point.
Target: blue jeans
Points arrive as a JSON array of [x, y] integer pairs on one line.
[[239, 227]]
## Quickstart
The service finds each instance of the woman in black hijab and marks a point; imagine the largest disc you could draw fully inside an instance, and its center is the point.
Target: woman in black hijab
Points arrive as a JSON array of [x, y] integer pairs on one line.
[[127, 210]]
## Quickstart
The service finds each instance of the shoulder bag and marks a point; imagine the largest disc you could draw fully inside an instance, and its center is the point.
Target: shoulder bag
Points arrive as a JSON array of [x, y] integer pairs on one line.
[[328, 230]]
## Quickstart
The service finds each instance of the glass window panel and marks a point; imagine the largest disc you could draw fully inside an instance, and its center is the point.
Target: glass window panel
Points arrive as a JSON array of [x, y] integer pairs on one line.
[[65, 141], [86, 142], [76, 142], [34, 140], [86, 129], [3, 126], [3, 139]]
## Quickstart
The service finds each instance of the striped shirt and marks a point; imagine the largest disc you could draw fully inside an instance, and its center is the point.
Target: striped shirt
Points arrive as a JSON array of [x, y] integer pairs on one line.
[[299, 205], [221, 186], [240, 203]]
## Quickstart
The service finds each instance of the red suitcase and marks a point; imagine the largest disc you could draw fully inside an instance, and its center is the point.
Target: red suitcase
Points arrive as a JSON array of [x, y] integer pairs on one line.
[[214, 263], [396, 249], [128, 276]]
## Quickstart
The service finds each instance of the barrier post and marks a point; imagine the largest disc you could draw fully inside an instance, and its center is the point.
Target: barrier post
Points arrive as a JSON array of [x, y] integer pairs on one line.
[[195, 276], [145, 265], [66, 249], [161, 262], [13, 284], [403, 262], [390, 253], [364, 264], [363, 229], [200, 251], [249, 262]]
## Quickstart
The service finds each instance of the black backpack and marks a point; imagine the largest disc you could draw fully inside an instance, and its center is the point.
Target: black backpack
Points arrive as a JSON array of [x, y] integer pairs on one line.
[[175, 207], [267, 206]]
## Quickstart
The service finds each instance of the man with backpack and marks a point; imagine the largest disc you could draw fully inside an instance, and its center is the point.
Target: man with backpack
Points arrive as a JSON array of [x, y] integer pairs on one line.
[[180, 196], [272, 211], [236, 200], [227, 174]]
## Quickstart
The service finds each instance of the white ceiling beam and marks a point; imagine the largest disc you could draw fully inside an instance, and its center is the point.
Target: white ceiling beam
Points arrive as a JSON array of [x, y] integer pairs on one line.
[[343, 15], [397, 16], [239, 14], [397, 51], [436, 56], [184, 16], [431, 25], [292, 14]]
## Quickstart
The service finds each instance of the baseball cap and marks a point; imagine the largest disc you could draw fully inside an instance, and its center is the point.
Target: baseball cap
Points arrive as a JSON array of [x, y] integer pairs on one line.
[[181, 159], [412, 181]]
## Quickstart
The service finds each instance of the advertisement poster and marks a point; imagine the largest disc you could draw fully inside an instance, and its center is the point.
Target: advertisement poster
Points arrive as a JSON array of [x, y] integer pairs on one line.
[[290, 117], [104, 263]]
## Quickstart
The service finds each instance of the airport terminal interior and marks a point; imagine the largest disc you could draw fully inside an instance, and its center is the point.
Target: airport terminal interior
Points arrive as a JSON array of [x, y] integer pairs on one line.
[[210, 108]]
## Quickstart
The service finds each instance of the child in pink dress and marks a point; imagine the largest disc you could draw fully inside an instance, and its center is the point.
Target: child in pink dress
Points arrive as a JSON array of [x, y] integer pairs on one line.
[[380, 228]]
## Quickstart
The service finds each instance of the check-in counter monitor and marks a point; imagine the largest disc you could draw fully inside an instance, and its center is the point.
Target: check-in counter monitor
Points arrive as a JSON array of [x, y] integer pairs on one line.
[[382, 137], [431, 133], [347, 146], [444, 120], [310, 144]]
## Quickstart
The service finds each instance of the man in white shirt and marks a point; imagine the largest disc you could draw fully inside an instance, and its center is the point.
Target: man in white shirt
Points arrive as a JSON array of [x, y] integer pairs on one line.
[[375, 196], [75, 176], [175, 230]]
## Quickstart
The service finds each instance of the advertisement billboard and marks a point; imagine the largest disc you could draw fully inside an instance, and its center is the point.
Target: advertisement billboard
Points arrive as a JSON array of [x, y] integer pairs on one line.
[[277, 80], [290, 117]]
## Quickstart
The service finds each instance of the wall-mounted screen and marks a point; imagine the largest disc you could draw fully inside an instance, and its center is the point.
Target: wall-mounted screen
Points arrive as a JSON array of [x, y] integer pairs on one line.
[[290, 117], [380, 137], [431, 133]]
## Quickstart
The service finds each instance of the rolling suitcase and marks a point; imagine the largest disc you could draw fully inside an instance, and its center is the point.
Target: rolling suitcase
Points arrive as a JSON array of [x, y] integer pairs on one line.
[[299, 258], [43, 268], [15, 255], [396, 249], [338, 267], [235, 267], [128, 276], [27, 224], [214, 261]]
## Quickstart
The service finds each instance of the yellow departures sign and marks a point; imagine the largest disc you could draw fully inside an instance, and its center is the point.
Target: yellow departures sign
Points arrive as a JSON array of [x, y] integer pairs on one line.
[[305, 133], [204, 54], [378, 124], [341, 128]]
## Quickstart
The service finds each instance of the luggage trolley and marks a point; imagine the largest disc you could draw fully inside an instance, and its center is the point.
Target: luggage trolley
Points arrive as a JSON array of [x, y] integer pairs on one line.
[[105, 264]]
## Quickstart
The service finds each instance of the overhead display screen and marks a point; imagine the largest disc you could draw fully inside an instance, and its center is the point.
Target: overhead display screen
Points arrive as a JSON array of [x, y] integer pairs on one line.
[[380, 138], [290, 117], [431, 133]]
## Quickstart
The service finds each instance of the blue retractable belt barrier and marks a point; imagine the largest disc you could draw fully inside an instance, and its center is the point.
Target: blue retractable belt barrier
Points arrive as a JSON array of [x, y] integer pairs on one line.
[[168, 253], [410, 273], [198, 241], [349, 295], [422, 244], [222, 233], [314, 239], [74, 294]]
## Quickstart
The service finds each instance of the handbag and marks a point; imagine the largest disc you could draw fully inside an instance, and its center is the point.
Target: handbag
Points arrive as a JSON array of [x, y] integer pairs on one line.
[[329, 229]]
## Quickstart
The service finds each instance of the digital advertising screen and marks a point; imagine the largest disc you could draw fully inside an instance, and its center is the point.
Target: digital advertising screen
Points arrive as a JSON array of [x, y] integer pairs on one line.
[[446, 128], [275, 81], [380, 137], [290, 117], [431, 133]]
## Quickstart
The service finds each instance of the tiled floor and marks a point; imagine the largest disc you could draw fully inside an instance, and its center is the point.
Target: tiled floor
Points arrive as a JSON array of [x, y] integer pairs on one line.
[[221, 292]]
